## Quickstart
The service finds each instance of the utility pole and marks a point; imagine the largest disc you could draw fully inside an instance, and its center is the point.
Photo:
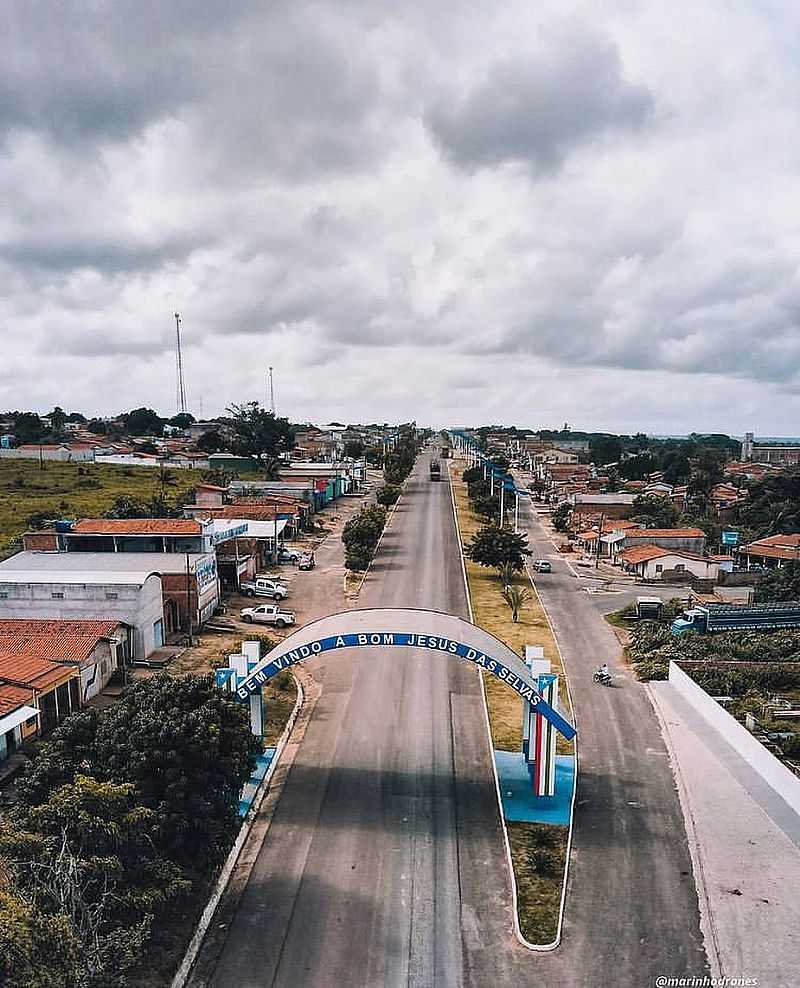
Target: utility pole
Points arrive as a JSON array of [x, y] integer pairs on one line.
[[179, 385], [502, 503], [188, 598], [599, 542], [271, 393]]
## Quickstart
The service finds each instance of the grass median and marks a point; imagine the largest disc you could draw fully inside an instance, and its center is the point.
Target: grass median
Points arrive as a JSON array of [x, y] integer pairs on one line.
[[538, 851]]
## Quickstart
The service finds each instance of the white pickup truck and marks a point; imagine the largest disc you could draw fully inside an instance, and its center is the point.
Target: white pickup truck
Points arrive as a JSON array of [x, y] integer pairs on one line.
[[264, 587], [267, 614]]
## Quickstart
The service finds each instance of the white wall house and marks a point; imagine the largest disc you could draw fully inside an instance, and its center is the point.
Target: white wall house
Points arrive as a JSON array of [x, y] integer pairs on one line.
[[133, 599]]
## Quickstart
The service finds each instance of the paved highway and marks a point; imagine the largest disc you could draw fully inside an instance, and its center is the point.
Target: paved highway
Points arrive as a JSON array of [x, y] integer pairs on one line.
[[358, 881], [632, 912], [384, 862]]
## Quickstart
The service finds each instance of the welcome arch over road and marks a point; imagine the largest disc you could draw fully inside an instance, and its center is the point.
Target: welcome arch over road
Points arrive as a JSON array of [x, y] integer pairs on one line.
[[393, 627]]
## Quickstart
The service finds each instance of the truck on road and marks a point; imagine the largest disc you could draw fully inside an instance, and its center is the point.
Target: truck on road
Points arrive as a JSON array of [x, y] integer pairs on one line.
[[267, 614], [436, 470], [738, 617]]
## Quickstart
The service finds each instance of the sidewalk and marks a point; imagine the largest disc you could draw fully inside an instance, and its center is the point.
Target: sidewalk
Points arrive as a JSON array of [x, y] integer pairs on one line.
[[745, 846]]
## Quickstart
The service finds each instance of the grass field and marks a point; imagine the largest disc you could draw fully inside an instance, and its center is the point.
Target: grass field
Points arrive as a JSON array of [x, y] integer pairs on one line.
[[76, 490], [538, 852]]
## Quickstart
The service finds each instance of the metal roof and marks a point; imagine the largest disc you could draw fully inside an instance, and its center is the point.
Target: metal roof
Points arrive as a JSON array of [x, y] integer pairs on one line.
[[94, 567]]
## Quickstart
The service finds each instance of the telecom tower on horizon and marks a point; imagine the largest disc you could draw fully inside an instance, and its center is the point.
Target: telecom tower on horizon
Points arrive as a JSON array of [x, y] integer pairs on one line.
[[271, 393], [179, 385]]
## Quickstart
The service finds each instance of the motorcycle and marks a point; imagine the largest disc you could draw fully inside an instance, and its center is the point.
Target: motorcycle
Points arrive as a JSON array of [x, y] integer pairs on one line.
[[604, 678]]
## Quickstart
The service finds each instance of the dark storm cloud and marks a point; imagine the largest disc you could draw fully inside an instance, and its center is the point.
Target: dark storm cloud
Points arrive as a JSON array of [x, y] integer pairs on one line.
[[99, 70], [536, 107], [71, 342], [107, 256]]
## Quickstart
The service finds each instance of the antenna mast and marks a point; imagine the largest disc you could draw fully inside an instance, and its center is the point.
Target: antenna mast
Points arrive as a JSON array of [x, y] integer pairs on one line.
[[271, 393], [180, 389]]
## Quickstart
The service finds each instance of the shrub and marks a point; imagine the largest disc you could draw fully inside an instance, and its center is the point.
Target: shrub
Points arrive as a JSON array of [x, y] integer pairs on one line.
[[388, 494]]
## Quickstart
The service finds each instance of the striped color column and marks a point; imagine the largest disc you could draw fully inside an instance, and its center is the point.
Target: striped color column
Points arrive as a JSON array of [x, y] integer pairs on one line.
[[543, 736]]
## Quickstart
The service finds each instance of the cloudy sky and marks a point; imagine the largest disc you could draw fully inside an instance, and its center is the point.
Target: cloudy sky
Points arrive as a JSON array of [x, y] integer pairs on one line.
[[449, 210]]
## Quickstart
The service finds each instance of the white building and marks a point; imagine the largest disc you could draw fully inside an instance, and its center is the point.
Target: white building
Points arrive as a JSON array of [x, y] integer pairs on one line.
[[183, 579], [133, 598]]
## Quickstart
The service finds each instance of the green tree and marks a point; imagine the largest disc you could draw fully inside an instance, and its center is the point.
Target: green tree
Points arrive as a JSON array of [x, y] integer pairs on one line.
[[113, 839], [707, 471], [28, 428], [143, 422], [181, 420], [561, 517], [605, 449], [37, 950], [210, 442], [773, 505], [259, 433], [472, 475], [97, 426], [88, 862], [388, 494], [516, 597], [637, 467], [494, 546], [185, 744], [57, 419], [354, 449], [677, 468], [125, 506], [506, 573], [652, 511], [188, 748], [360, 536], [780, 584]]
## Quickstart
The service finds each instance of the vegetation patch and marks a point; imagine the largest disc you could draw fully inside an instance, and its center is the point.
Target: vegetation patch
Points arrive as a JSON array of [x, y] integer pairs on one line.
[[31, 494], [538, 851]]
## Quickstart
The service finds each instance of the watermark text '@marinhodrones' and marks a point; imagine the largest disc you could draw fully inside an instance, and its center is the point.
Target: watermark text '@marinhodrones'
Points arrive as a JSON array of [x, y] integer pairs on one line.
[[705, 981]]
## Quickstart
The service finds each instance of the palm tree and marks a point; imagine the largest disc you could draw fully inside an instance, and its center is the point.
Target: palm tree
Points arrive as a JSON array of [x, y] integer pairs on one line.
[[506, 572], [515, 597]]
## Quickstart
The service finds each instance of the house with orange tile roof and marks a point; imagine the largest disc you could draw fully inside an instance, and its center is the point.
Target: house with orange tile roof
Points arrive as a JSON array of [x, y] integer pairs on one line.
[[653, 562], [19, 719], [98, 648], [771, 552]]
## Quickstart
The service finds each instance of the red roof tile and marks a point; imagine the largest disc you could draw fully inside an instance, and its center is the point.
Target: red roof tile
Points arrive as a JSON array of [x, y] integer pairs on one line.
[[33, 671], [642, 553], [12, 698], [52, 627], [137, 526], [665, 533]]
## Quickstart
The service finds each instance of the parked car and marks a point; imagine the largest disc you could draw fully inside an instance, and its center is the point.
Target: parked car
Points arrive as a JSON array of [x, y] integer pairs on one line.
[[267, 614], [262, 587], [307, 561], [542, 566], [288, 555]]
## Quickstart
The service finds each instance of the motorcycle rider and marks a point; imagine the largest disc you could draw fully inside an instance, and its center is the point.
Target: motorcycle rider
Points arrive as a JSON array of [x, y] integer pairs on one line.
[[603, 671]]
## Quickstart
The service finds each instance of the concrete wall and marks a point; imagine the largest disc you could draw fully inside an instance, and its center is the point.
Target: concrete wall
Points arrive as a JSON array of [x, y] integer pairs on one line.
[[55, 455], [771, 770], [97, 670], [139, 607], [704, 569]]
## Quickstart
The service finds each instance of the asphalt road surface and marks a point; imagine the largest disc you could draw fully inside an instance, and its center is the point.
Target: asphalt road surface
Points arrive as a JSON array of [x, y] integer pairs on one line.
[[384, 863]]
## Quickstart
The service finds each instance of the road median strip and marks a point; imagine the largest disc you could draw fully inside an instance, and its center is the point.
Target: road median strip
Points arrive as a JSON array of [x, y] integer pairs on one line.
[[538, 852]]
